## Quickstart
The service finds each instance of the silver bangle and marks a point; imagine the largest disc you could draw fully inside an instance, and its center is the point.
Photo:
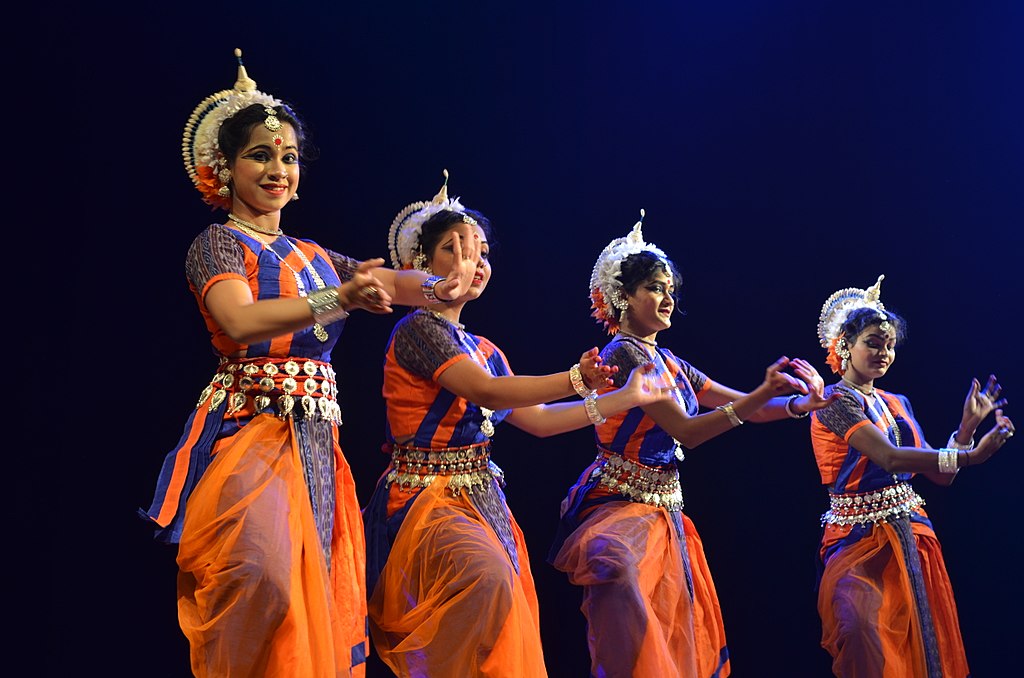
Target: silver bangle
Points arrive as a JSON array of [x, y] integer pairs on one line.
[[427, 287], [947, 460], [958, 446], [731, 413], [789, 408], [594, 414], [326, 306], [578, 384]]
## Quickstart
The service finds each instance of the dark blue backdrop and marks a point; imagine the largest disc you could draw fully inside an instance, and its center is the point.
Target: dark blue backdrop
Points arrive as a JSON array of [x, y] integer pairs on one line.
[[782, 150]]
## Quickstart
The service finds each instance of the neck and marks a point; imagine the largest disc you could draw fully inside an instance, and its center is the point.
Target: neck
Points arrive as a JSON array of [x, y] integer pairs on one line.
[[450, 312], [646, 337], [267, 223], [865, 386]]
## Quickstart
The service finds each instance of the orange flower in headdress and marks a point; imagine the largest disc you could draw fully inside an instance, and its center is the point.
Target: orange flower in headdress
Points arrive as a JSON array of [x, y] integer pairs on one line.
[[209, 185], [832, 359], [603, 311]]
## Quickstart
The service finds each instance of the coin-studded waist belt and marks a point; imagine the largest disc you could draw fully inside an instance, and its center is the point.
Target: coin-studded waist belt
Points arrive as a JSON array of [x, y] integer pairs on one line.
[[653, 485], [467, 468], [871, 507], [287, 387]]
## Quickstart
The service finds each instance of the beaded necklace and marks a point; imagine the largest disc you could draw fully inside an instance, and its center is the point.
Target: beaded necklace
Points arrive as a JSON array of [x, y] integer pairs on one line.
[[318, 330]]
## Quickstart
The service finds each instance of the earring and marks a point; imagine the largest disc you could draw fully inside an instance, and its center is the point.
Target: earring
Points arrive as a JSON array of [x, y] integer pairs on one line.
[[295, 196], [419, 262], [843, 352], [224, 176]]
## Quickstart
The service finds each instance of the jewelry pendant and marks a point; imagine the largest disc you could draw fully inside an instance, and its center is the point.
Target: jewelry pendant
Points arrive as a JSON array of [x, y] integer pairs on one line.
[[678, 452], [319, 332], [486, 427]]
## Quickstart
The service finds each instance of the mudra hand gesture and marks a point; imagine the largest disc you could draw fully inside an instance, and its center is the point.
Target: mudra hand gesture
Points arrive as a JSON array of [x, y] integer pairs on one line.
[[466, 256], [645, 385], [981, 402], [365, 291], [593, 370], [990, 443], [779, 382], [814, 395]]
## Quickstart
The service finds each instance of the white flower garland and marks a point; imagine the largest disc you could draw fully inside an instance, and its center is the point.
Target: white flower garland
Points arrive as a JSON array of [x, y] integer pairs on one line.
[[607, 272], [407, 226], [838, 306]]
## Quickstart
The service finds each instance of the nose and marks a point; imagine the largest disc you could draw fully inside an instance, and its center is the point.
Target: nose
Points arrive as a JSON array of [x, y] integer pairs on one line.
[[277, 170]]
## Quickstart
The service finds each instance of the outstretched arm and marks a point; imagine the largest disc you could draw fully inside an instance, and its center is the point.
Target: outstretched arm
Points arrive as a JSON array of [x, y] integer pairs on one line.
[[876, 447], [405, 288], [469, 380], [247, 320], [692, 431], [641, 388], [809, 397]]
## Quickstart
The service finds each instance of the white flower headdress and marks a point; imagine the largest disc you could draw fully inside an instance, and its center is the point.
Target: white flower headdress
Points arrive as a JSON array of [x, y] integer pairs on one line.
[[606, 296], [205, 165], [404, 235], [838, 306]]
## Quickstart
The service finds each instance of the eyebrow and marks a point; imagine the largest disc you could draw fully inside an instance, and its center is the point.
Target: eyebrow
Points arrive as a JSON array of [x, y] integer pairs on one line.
[[449, 241], [882, 337], [267, 147]]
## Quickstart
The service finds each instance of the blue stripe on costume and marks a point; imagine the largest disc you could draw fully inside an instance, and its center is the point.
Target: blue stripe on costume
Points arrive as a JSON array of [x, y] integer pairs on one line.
[[435, 415], [198, 460], [912, 561], [628, 427]]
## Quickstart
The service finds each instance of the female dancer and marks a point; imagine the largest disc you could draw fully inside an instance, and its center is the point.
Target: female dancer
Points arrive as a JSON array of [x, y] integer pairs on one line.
[[257, 492], [648, 597], [885, 601], [451, 590]]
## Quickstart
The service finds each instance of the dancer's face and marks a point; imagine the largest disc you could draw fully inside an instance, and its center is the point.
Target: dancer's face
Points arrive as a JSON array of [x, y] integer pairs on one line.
[[651, 305], [872, 353], [265, 174], [442, 258]]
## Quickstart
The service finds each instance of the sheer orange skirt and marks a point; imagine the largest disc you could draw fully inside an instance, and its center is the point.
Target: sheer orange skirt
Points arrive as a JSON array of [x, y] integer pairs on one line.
[[255, 597], [641, 619], [869, 619], [449, 602]]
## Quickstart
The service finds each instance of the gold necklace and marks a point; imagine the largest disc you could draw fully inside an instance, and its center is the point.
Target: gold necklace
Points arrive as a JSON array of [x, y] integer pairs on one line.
[[857, 387], [444, 318], [318, 330], [254, 227]]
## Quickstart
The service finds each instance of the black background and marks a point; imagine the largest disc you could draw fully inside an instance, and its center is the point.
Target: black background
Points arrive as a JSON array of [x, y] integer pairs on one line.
[[782, 150]]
